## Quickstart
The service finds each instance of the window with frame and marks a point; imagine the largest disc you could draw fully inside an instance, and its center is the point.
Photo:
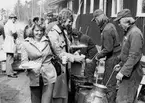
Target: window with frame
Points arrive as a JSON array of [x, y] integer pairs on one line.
[[140, 8], [102, 5], [117, 6]]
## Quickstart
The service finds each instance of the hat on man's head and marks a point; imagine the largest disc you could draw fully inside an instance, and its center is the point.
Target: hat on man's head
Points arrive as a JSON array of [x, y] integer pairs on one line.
[[122, 14], [12, 16], [96, 13]]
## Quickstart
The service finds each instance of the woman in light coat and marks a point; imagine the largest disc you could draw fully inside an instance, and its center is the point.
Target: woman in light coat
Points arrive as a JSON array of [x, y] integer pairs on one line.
[[36, 56]]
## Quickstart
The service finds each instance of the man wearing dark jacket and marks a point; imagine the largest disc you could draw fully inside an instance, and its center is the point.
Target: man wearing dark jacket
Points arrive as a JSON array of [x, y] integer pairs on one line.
[[90, 51], [110, 49], [130, 74]]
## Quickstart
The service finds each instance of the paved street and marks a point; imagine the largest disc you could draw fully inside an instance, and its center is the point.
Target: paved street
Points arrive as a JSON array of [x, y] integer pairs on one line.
[[14, 90]]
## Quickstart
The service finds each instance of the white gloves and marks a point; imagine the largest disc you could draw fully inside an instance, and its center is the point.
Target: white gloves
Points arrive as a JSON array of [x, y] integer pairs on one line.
[[79, 58], [67, 57], [119, 76], [117, 67], [88, 60]]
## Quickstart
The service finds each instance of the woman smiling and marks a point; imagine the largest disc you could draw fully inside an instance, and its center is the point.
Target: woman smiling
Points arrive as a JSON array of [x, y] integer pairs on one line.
[[36, 56]]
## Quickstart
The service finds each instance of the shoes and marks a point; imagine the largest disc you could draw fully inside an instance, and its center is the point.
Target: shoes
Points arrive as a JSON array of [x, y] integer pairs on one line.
[[12, 76], [3, 72]]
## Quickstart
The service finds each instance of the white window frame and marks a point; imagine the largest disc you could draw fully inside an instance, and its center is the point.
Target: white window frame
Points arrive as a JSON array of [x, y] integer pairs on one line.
[[102, 5], [85, 5], [91, 6], [69, 4], [119, 7], [139, 9]]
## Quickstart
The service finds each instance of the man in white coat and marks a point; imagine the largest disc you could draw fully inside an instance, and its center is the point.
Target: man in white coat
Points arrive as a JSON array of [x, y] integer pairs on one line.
[[9, 44]]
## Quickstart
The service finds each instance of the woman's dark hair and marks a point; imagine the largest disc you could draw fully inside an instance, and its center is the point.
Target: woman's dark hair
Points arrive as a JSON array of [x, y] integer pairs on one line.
[[35, 19], [25, 32]]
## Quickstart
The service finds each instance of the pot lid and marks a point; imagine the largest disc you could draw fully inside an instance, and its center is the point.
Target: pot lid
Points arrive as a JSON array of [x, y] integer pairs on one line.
[[100, 86]]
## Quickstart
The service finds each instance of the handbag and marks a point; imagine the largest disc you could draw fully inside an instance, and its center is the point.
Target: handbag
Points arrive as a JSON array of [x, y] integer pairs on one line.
[[57, 66], [55, 60]]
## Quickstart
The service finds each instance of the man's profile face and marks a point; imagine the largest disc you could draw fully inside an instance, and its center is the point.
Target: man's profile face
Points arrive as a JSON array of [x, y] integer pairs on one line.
[[68, 24], [123, 24]]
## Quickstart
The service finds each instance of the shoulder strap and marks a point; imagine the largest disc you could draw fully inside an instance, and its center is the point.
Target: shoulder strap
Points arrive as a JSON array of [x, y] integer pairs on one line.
[[50, 44], [65, 38]]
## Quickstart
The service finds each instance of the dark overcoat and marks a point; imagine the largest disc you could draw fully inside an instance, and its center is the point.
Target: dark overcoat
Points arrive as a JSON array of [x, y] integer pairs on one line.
[[110, 49], [130, 65]]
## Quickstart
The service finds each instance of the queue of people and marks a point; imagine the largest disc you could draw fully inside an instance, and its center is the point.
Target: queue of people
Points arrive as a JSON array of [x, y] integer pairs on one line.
[[47, 40], [126, 63]]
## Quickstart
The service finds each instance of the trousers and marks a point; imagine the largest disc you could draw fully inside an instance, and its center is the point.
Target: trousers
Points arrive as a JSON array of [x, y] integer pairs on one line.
[[41, 93], [9, 62]]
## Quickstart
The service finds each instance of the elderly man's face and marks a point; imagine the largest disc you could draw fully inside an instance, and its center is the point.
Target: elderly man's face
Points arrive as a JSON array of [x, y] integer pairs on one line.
[[98, 19], [123, 24]]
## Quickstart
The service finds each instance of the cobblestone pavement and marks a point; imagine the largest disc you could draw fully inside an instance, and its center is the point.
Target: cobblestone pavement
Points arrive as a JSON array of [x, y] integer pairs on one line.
[[14, 90]]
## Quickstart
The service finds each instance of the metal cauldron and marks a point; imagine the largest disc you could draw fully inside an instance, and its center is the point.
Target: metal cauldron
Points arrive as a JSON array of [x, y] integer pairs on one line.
[[97, 94]]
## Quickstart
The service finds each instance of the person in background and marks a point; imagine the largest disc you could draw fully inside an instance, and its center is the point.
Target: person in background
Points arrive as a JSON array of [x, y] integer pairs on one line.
[[35, 20], [38, 20], [129, 68], [3, 63], [110, 49], [26, 31], [9, 45], [88, 51], [58, 37], [2, 23]]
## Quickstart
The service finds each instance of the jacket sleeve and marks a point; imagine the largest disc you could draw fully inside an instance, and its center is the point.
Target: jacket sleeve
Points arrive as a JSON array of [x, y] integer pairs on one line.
[[107, 44], [135, 54], [24, 55], [57, 48], [92, 51]]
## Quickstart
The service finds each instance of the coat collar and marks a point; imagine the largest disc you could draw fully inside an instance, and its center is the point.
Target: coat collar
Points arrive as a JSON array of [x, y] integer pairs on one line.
[[103, 25], [128, 29], [56, 27], [33, 42]]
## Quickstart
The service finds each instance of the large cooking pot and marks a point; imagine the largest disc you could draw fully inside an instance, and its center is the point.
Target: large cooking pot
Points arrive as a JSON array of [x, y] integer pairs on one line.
[[100, 88], [97, 94]]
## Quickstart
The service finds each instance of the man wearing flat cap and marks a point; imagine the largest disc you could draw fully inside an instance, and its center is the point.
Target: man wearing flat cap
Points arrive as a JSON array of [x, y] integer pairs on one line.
[[110, 49], [9, 44], [129, 68]]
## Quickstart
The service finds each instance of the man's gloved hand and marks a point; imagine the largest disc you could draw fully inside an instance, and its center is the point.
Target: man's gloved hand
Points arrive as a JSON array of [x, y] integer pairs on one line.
[[119, 76], [117, 67]]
